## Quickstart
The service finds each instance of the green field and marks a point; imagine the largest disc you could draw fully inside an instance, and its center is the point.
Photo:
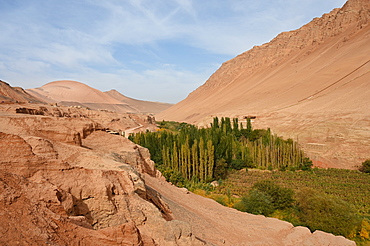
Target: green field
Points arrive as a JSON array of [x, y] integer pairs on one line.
[[349, 185]]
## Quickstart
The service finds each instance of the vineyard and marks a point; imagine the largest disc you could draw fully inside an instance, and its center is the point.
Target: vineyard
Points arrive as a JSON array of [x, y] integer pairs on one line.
[[349, 185], [334, 200]]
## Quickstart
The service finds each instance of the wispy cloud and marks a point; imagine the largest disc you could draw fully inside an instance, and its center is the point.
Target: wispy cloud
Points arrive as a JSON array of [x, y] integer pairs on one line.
[[148, 49]]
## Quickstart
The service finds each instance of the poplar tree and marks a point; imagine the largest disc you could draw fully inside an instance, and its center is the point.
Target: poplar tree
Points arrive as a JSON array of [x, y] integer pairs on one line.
[[175, 157], [211, 159], [201, 159], [215, 124], [249, 128], [206, 153], [195, 159]]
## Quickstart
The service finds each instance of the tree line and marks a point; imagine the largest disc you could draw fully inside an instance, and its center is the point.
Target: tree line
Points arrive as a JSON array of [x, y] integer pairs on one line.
[[205, 154]]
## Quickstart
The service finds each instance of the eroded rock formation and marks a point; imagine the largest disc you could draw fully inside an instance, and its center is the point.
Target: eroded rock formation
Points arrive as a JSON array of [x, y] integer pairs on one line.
[[56, 191], [104, 190]]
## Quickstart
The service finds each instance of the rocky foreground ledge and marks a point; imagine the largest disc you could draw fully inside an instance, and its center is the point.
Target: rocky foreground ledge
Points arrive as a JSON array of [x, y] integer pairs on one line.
[[65, 181]]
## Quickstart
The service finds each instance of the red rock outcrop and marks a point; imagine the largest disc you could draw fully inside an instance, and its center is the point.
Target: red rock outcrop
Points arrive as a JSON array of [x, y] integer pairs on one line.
[[45, 200], [31, 214], [10, 94], [105, 190], [310, 84]]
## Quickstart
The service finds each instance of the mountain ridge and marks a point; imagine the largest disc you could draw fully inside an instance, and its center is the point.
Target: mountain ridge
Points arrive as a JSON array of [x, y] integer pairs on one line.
[[301, 84], [73, 93], [9, 94]]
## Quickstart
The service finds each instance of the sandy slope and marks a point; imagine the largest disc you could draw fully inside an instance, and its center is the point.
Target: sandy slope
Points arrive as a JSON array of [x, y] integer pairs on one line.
[[311, 84], [72, 93], [10, 94], [141, 106]]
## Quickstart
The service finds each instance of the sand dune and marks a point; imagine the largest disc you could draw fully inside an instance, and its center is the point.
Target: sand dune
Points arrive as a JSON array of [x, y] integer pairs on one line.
[[66, 90], [73, 93]]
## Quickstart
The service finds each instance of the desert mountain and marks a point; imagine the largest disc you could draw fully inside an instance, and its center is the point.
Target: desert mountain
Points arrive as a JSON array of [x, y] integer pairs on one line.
[[310, 84], [11, 94], [64, 180], [72, 93], [139, 105]]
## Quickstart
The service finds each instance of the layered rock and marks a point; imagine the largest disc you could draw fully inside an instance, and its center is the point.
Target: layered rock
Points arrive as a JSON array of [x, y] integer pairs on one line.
[[104, 190], [48, 198]]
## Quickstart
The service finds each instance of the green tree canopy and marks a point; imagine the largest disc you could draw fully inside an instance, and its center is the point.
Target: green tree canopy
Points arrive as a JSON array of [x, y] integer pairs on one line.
[[365, 168], [319, 211]]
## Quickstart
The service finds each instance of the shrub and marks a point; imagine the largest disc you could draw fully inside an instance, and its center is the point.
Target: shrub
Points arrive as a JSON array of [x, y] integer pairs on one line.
[[281, 198], [174, 177], [265, 197], [306, 164], [365, 168], [322, 212], [220, 198], [364, 232], [238, 164], [256, 202]]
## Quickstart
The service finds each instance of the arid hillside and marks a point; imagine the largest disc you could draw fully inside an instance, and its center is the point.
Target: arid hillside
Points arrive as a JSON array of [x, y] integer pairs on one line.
[[67, 177], [9, 94], [310, 84], [72, 93], [139, 105]]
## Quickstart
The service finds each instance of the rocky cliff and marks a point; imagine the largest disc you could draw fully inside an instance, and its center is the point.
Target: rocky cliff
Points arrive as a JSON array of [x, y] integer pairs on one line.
[[66, 181], [67, 178], [309, 84]]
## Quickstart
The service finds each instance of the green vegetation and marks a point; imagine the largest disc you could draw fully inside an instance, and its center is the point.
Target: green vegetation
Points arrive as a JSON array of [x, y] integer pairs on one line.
[[365, 166], [319, 211], [331, 200], [202, 155], [265, 197], [261, 173], [349, 185]]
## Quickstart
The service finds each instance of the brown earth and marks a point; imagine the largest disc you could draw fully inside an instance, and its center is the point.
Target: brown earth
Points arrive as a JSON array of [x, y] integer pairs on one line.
[[72, 93], [67, 178], [9, 94], [64, 180], [310, 84], [139, 105]]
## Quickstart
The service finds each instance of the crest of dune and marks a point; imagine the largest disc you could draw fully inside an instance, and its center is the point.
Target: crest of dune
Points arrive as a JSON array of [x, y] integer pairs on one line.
[[73, 93]]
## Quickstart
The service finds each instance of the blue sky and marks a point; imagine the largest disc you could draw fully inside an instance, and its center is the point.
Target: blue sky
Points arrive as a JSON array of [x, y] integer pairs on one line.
[[156, 50]]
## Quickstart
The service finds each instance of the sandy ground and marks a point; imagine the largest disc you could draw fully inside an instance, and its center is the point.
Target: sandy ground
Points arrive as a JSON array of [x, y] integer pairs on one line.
[[310, 84]]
